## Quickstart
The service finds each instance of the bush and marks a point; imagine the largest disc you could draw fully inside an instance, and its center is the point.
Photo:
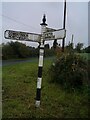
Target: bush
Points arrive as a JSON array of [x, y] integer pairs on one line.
[[49, 52], [13, 50], [69, 70]]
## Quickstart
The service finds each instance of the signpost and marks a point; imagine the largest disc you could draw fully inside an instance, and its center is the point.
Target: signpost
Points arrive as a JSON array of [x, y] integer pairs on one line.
[[46, 34]]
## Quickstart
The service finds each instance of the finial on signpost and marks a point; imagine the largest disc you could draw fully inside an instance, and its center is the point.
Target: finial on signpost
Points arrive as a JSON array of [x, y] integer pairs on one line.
[[44, 20]]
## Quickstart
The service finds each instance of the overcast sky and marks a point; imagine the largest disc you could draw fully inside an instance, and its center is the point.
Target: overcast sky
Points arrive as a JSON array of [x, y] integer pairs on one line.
[[27, 16]]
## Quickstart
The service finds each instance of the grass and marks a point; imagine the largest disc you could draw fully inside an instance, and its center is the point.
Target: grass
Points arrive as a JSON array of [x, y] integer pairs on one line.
[[19, 85], [85, 55]]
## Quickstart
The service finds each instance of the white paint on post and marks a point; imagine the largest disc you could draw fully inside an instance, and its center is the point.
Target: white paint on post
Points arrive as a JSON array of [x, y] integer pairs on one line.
[[39, 81], [37, 103], [41, 61], [41, 57]]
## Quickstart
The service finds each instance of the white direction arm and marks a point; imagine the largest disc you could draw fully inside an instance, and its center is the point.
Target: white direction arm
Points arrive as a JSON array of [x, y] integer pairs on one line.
[[22, 36], [56, 34], [33, 37]]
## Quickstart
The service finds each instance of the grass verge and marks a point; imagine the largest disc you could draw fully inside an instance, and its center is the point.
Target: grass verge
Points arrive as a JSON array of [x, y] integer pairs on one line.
[[19, 91]]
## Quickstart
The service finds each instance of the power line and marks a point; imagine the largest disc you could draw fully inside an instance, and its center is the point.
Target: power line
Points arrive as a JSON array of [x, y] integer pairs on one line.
[[18, 21]]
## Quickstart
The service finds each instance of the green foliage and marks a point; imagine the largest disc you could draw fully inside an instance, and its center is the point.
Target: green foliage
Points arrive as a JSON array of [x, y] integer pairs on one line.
[[69, 47], [79, 47], [49, 52], [13, 50], [87, 49], [8, 52], [20, 50], [70, 71]]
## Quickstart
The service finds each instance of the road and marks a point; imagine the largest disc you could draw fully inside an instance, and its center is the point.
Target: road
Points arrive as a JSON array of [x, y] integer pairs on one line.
[[12, 62]]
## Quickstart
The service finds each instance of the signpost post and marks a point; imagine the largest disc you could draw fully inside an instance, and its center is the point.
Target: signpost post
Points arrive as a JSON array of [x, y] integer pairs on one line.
[[40, 65], [46, 34]]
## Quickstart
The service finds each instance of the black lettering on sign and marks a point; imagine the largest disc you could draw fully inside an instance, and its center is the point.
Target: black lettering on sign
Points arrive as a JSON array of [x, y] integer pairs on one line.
[[49, 35], [18, 35], [23, 36]]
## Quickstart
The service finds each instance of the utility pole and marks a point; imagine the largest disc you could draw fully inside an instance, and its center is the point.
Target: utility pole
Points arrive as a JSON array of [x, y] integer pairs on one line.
[[72, 38], [64, 25], [72, 41]]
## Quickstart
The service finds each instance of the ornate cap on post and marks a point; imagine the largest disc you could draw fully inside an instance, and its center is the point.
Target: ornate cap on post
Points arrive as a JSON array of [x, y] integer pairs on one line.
[[43, 20]]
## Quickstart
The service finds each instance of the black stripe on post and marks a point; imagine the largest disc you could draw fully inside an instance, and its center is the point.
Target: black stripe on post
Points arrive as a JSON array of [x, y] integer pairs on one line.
[[40, 72], [41, 47], [38, 94]]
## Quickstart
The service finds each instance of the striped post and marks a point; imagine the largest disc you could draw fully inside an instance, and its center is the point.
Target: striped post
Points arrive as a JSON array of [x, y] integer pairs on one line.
[[40, 65]]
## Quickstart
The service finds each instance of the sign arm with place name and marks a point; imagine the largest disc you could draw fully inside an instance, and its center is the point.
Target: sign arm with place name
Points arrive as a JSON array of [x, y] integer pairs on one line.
[[22, 36], [33, 37], [55, 34]]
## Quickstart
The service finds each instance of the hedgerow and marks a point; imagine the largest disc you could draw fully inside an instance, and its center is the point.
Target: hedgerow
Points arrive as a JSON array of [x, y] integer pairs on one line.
[[69, 70]]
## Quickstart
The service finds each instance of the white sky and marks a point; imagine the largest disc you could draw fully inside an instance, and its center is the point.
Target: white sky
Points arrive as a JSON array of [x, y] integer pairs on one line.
[[27, 16]]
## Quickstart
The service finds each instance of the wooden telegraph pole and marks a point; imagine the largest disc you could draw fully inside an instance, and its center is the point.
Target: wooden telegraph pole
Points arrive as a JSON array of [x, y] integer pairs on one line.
[[64, 25]]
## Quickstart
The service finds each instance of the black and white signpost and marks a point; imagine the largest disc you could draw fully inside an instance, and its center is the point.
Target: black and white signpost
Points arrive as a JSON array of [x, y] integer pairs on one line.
[[46, 34], [40, 65]]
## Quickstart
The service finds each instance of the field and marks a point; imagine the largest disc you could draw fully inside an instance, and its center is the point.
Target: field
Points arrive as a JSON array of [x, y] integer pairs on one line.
[[19, 91], [85, 55]]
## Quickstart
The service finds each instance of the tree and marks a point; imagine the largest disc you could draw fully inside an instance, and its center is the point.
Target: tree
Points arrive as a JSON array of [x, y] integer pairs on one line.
[[15, 50], [69, 47], [79, 47], [87, 49], [7, 51], [23, 51]]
